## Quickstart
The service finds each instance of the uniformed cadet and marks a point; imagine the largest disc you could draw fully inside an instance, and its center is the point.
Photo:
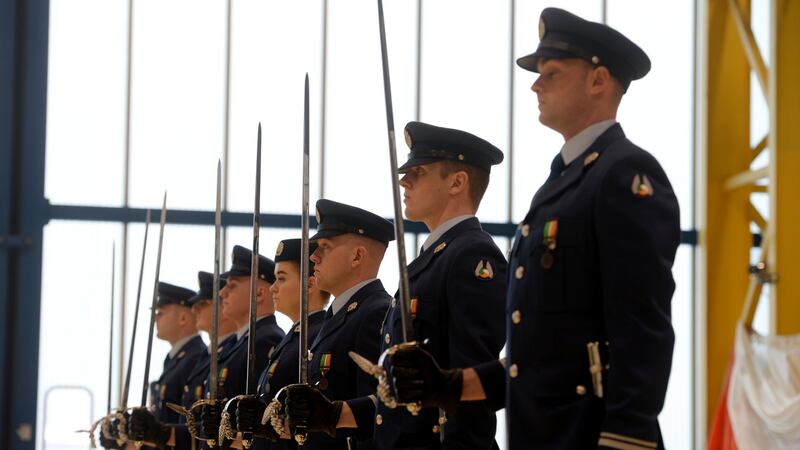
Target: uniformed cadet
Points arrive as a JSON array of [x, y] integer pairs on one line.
[[143, 424], [176, 324], [235, 297], [457, 284], [283, 366], [589, 331], [351, 245]]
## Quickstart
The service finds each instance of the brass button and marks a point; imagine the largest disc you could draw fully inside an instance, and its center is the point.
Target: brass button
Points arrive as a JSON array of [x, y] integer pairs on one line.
[[394, 302], [516, 317], [526, 230], [186, 389], [436, 429], [520, 272], [379, 419], [580, 389], [387, 338], [513, 371], [310, 355]]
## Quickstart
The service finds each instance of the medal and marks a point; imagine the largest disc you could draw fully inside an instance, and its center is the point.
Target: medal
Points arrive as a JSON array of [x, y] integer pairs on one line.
[[547, 260]]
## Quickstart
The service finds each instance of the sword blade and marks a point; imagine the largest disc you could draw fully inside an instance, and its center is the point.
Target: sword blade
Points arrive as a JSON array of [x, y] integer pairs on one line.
[[111, 326], [304, 244], [251, 338], [212, 388], [153, 304], [399, 226], [123, 402]]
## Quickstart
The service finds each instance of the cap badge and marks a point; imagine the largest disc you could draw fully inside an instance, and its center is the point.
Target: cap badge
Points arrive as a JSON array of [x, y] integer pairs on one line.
[[279, 250], [409, 141], [439, 247], [591, 158], [318, 216], [641, 186], [352, 307], [542, 29], [484, 271]]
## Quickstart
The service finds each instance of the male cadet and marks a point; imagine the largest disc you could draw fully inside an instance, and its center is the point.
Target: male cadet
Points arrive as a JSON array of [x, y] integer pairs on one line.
[[351, 245], [283, 366], [236, 307], [457, 284], [176, 324], [589, 332], [143, 424]]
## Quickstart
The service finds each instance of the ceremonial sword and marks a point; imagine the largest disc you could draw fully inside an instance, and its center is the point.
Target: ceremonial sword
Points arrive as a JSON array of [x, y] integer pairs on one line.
[[378, 371], [145, 380], [300, 429]]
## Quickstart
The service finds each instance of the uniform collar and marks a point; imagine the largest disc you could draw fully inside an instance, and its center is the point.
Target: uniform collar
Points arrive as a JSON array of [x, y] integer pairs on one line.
[[179, 345], [580, 142], [444, 228], [344, 297], [221, 339], [242, 332], [310, 314]]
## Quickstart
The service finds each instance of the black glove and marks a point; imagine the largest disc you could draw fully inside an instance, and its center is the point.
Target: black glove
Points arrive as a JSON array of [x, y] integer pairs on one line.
[[210, 417], [308, 407], [143, 426], [109, 444], [418, 378], [248, 418]]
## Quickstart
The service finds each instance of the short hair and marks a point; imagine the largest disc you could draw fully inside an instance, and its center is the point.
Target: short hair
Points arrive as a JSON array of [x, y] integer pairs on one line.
[[478, 178]]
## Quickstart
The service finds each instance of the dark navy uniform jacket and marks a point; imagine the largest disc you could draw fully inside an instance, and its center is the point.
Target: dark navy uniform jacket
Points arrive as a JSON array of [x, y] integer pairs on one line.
[[195, 389], [607, 279], [169, 387], [457, 288], [283, 369], [354, 327], [233, 366]]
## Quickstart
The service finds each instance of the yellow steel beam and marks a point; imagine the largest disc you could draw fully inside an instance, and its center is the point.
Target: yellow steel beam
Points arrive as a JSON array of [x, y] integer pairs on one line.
[[724, 220], [784, 257], [750, 45], [745, 178], [762, 144]]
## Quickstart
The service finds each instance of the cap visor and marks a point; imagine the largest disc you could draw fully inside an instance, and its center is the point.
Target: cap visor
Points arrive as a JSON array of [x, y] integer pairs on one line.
[[531, 62], [416, 162], [324, 234]]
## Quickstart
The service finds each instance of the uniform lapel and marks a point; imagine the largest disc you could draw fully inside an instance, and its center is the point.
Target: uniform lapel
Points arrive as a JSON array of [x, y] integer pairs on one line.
[[424, 259], [340, 317], [577, 168]]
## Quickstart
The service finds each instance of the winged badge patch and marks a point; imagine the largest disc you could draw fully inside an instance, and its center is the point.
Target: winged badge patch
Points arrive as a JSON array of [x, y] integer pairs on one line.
[[484, 271], [641, 186]]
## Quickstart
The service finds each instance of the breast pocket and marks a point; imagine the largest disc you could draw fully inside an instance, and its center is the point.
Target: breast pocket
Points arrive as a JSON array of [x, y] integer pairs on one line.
[[560, 271]]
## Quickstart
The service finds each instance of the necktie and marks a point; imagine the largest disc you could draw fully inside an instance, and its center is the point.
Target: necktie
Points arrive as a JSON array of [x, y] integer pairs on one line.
[[556, 167], [329, 313]]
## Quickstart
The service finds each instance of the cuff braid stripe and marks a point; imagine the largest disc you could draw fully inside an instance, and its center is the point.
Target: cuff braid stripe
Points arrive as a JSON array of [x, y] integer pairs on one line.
[[610, 443], [628, 439]]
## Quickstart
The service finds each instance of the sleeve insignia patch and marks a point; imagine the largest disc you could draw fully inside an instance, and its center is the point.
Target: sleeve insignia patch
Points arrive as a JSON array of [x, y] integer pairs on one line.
[[484, 271], [641, 186]]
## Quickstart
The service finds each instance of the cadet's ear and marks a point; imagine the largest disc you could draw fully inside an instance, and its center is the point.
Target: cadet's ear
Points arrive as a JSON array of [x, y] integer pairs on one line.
[[359, 256], [601, 80], [459, 182]]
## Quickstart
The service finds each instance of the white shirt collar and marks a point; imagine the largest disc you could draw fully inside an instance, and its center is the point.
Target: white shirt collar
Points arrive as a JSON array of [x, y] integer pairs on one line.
[[580, 142], [221, 339], [344, 297], [444, 228], [242, 332], [179, 345]]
